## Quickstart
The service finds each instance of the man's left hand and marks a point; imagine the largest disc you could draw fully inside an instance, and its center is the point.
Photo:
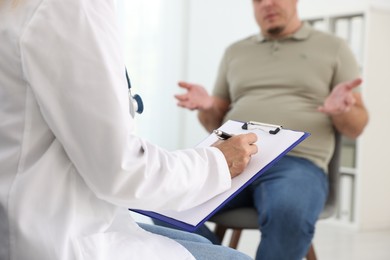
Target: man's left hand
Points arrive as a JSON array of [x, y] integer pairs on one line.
[[341, 99]]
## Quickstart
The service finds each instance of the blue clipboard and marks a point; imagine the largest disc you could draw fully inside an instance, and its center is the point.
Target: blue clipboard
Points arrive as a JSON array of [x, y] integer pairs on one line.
[[271, 137]]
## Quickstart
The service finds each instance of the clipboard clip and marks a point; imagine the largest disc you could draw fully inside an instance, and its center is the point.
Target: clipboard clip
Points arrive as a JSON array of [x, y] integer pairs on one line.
[[257, 125]]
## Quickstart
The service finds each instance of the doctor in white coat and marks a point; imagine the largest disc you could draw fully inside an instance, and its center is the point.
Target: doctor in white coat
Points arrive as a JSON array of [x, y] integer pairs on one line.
[[69, 163]]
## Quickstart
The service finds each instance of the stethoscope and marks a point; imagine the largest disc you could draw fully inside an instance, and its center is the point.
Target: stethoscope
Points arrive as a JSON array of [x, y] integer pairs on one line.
[[136, 104]]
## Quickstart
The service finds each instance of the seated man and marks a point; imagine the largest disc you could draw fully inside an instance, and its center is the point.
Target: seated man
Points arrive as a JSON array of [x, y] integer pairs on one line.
[[295, 76]]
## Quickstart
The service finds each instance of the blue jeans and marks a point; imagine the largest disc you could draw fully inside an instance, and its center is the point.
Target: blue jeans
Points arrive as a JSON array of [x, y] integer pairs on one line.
[[198, 246], [289, 198]]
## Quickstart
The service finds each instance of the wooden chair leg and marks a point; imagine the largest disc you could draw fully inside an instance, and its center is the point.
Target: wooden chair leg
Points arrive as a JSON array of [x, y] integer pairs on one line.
[[311, 254], [235, 238], [220, 232]]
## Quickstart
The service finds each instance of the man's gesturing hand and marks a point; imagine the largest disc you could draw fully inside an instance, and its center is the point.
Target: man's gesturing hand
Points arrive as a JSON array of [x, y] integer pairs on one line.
[[341, 99], [196, 97]]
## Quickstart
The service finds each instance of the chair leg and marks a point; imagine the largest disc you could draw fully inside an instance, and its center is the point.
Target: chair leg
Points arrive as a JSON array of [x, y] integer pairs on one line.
[[311, 254], [220, 232], [235, 238]]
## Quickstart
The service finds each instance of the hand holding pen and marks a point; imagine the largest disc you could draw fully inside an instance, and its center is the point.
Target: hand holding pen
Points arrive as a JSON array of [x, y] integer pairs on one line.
[[237, 149]]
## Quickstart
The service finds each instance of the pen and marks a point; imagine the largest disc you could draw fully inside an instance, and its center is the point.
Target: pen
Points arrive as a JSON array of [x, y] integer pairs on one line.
[[222, 135]]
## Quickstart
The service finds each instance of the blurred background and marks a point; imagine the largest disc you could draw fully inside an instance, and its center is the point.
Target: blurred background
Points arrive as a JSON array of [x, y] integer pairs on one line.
[[165, 41]]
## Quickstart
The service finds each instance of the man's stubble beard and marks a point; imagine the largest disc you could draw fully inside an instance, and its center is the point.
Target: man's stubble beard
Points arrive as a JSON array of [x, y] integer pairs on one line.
[[275, 31]]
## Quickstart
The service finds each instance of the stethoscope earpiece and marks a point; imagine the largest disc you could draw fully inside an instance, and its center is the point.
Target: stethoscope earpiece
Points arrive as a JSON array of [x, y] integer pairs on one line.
[[136, 104]]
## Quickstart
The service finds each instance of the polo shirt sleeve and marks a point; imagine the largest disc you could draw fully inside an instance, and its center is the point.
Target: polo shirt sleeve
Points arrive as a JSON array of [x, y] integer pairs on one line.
[[346, 67], [221, 86]]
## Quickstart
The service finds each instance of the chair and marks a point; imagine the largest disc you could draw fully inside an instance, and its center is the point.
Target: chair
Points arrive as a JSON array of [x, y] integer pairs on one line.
[[246, 218]]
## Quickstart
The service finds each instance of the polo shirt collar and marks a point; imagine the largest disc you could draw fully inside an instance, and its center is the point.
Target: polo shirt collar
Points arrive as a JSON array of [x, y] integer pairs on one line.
[[302, 34]]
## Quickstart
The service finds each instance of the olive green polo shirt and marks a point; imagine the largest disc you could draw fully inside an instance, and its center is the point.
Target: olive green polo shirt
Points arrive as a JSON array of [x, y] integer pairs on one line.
[[284, 81]]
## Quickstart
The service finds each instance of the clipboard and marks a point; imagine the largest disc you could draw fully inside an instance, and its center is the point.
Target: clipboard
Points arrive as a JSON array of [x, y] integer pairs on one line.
[[273, 144]]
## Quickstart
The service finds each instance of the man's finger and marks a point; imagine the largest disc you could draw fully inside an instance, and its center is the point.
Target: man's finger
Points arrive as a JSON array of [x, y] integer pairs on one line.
[[181, 97], [354, 83], [184, 85]]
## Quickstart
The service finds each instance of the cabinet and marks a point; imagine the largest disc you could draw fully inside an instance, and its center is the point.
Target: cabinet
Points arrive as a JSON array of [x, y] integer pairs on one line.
[[365, 175], [350, 27], [373, 192]]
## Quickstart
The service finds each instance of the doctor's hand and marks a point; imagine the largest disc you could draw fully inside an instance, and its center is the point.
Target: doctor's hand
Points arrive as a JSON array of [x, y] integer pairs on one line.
[[341, 99], [196, 97], [238, 151]]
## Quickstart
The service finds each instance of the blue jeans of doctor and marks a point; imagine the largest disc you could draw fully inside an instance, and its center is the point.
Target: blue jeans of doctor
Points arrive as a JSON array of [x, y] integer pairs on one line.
[[289, 198], [198, 246]]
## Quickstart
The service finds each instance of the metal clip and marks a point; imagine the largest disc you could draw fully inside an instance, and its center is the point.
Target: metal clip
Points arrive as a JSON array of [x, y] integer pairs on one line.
[[257, 125]]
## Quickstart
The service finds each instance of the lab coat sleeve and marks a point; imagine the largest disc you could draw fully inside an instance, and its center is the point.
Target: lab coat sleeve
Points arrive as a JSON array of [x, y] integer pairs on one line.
[[72, 60]]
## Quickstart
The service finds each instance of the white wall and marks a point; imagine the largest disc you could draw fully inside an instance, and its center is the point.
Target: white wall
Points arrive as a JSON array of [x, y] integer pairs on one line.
[[314, 8], [155, 43]]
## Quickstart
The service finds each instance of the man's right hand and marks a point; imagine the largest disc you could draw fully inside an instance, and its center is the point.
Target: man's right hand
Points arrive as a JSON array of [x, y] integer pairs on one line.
[[238, 151], [196, 97]]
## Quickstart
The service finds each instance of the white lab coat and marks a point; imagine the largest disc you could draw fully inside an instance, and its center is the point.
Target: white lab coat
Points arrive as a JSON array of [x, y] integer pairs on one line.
[[70, 165]]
